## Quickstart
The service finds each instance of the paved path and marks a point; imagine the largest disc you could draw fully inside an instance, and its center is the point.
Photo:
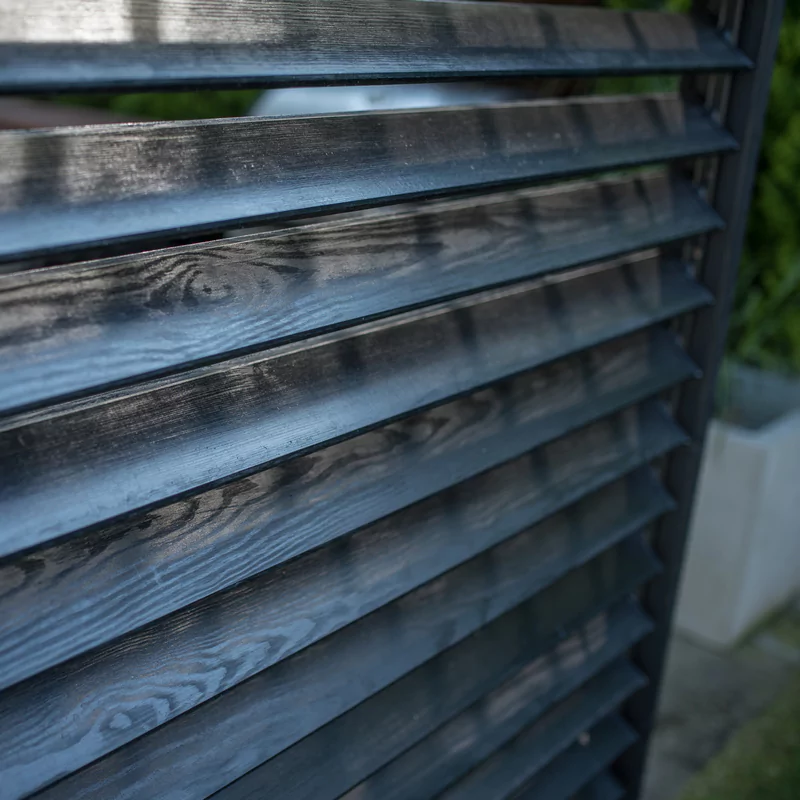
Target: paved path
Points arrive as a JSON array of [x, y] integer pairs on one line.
[[709, 694]]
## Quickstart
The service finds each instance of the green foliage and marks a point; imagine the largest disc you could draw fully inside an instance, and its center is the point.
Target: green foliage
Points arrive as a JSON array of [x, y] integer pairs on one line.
[[761, 761], [681, 6], [173, 105], [765, 329]]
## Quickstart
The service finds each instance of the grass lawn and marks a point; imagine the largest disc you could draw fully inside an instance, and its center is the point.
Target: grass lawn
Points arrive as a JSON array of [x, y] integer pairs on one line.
[[761, 761]]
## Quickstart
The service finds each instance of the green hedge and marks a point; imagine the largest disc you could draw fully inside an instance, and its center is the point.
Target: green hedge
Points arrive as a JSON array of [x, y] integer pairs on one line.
[[171, 105], [765, 330]]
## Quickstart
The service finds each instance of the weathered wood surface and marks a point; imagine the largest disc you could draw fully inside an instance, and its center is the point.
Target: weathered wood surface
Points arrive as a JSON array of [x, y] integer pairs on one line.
[[580, 764], [514, 729], [357, 508], [50, 45], [277, 707], [87, 590], [348, 750], [261, 622], [74, 328], [88, 461], [66, 189]]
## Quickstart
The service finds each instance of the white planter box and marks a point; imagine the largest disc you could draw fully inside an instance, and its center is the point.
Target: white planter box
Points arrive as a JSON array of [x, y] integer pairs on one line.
[[743, 557]]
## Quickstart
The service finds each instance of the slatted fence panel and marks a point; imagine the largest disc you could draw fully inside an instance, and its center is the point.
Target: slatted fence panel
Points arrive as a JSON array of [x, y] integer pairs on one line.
[[368, 506]]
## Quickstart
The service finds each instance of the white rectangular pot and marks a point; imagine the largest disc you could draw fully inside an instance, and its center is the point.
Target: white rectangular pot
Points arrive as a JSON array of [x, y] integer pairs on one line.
[[743, 558]]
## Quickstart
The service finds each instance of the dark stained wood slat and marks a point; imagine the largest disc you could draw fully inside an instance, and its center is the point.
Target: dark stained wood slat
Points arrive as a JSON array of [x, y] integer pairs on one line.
[[528, 711], [154, 564], [180, 43], [218, 644], [279, 706], [604, 787], [68, 188], [89, 461], [519, 759], [261, 622], [72, 328], [329, 762], [579, 764]]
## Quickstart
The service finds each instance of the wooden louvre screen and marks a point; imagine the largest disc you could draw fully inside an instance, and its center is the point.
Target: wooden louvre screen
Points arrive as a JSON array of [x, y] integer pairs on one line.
[[389, 504]]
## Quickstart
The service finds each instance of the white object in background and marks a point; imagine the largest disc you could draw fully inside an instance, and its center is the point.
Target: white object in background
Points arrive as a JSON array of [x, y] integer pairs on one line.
[[336, 99], [743, 558], [308, 100]]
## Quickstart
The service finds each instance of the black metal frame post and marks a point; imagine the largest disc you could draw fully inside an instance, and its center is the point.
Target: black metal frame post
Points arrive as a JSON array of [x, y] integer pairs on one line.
[[742, 110]]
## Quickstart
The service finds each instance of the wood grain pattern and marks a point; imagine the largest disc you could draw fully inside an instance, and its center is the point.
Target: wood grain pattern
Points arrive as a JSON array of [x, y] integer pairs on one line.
[[507, 770], [581, 763], [64, 189], [534, 712], [279, 706], [156, 563], [345, 752], [89, 461], [186, 43], [78, 327], [169, 667], [357, 509]]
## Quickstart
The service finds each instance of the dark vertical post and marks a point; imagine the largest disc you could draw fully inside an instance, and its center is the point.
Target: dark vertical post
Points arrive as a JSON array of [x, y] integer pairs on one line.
[[743, 114]]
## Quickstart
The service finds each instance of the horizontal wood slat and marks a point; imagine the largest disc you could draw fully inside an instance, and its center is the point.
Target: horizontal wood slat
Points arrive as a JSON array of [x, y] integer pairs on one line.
[[154, 564], [279, 706], [77, 327], [263, 621], [69, 188], [327, 441], [89, 461], [61, 45], [512, 766], [456, 747], [345, 752], [579, 765], [532, 700], [604, 787]]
